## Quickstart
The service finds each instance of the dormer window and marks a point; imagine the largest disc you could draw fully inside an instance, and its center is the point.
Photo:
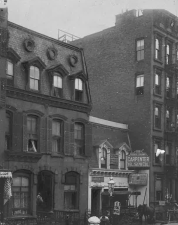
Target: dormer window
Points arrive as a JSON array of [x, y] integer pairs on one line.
[[10, 72], [139, 12], [78, 90], [123, 160], [103, 158], [34, 78], [57, 85]]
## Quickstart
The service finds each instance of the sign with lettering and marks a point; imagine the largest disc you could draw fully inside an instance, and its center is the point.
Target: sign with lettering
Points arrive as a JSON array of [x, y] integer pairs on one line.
[[5, 174], [138, 179], [138, 159], [97, 179], [114, 159], [161, 202]]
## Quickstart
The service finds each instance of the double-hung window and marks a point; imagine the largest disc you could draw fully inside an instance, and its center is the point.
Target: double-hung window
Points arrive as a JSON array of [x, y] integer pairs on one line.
[[158, 48], [168, 53], [168, 118], [139, 84], [122, 160], [57, 136], [168, 153], [159, 188], [79, 138], [140, 49], [57, 85], [32, 131], [157, 116], [34, 78], [168, 87], [10, 72], [157, 145], [103, 158], [78, 89], [157, 82]]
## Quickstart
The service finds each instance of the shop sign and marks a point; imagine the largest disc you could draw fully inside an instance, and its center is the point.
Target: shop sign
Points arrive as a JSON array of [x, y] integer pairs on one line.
[[138, 159], [161, 202], [114, 159], [5, 174], [97, 179], [138, 179]]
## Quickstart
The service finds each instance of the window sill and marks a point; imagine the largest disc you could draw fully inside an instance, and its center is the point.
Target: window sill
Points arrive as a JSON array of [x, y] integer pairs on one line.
[[71, 210], [79, 157], [157, 129], [156, 164], [158, 61], [157, 95], [23, 156], [57, 155]]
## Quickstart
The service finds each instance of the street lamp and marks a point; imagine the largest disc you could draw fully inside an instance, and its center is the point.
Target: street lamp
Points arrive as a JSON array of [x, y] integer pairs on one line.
[[111, 184]]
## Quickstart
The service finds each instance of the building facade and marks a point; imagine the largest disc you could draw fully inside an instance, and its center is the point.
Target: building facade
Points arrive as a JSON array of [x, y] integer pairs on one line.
[[45, 132], [133, 69]]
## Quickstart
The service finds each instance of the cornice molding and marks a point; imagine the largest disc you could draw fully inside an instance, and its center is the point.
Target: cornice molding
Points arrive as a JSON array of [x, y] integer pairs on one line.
[[108, 173], [47, 100]]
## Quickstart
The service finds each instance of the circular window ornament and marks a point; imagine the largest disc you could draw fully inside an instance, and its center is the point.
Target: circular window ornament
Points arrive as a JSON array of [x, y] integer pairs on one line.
[[73, 60], [51, 53], [29, 45]]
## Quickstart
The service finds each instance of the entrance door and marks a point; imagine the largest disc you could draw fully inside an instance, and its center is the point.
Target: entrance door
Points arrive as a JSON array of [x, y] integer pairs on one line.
[[95, 202]]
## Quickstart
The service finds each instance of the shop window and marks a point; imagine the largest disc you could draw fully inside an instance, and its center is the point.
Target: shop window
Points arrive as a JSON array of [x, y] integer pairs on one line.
[[157, 82], [159, 188], [45, 191], [32, 123], [34, 78], [57, 85], [122, 160], [168, 87], [57, 136], [169, 53], [157, 145], [8, 132], [78, 90], [140, 85], [157, 117], [168, 153], [79, 139], [140, 49], [21, 194], [103, 158], [10, 72], [71, 191], [158, 48]]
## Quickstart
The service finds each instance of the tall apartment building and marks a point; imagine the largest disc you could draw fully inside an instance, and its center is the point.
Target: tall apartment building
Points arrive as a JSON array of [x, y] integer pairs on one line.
[[44, 126], [133, 75]]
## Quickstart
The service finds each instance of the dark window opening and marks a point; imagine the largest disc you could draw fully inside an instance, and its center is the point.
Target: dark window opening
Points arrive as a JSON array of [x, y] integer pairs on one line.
[[32, 145], [57, 136], [123, 160], [157, 145], [79, 139], [157, 117], [103, 158], [157, 83], [168, 87], [140, 85], [140, 49], [78, 90], [10, 73], [57, 85], [159, 188], [8, 134]]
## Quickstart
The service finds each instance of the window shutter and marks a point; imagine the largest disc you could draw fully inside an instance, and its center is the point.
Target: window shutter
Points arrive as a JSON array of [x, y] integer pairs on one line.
[[66, 138], [88, 139], [43, 134], [17, 131], [49, 138], [25, 137]]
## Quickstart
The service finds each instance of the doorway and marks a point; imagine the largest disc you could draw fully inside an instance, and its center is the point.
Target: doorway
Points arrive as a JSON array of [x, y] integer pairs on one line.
[[95, 202]]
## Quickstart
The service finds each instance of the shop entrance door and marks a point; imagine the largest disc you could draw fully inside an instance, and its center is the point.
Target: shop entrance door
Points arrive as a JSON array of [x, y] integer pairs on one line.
[[95, 202]]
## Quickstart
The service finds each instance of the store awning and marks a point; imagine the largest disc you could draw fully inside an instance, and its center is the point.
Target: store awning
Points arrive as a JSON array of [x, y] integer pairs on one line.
[[117, 193], [4, 174]]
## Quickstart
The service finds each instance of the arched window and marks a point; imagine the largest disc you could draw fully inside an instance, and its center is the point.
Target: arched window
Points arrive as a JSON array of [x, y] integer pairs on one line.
[[57, 85], [45, 190], [78, 89], [21, 194], [8, 131], [10, 72], [103, 158], [123, 160], [71, 190], [57, 136], [79, 138], [32, 131], [34, 78]]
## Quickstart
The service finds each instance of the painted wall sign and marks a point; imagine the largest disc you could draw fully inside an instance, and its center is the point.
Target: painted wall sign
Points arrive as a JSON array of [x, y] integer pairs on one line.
[[138, 179], [5, 174], [138, 159], [97, 179]]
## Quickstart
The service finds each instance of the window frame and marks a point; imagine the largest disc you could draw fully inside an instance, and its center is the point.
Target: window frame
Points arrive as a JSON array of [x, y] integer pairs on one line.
[[168, 118], [140, 51], [169, 55], [57, 137], [158, 88], [38, 80], [56, 91], [79, 142], [78, 92], [169, 89], [8, 135], [158, 51], [70, 191], [159, 192], [104, 156], [157, 142], [33, 136], [139, 90], [122, 159], [157, 124], [168, 146], [10, 81]]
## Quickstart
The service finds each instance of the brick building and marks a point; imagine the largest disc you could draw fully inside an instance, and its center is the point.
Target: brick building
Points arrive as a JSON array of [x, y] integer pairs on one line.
[[46, 136], [133, 75]]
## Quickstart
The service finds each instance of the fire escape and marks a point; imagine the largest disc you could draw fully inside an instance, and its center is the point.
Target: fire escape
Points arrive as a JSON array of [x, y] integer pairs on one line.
[[171, 117]]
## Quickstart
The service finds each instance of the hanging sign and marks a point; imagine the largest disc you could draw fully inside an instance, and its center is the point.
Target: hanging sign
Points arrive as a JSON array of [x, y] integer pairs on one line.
[[138, 179], [138, 159], [5, 174]]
